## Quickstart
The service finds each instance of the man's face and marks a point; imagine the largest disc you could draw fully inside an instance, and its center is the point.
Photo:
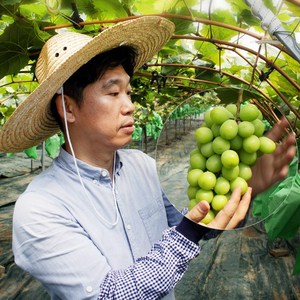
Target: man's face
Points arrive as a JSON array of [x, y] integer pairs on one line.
[[105, 117]]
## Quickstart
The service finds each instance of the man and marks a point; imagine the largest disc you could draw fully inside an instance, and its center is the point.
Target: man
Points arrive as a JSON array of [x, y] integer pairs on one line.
[[96, 224]]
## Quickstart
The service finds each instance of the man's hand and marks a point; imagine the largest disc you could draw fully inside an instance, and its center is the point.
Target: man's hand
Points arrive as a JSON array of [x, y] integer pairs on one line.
[[271, 168], [229, 217]]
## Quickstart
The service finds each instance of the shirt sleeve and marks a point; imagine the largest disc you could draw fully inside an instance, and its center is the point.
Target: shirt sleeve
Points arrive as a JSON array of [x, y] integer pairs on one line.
[[174, 216], [154, 275]]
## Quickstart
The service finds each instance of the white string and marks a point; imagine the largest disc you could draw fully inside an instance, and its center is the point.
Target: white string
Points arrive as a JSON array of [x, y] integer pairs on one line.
[[61, 91]]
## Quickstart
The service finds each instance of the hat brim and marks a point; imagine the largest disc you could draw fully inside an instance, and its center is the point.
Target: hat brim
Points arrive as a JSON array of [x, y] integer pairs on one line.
[[32, 121]]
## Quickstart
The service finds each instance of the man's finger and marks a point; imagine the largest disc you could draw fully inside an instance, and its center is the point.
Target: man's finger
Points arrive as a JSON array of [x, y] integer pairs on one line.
[[241, 211], [276, 133], [224, 216], [198, 212], [283, 157]]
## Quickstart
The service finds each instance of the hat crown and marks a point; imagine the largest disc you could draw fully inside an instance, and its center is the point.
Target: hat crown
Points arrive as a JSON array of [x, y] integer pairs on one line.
[[56, 51]]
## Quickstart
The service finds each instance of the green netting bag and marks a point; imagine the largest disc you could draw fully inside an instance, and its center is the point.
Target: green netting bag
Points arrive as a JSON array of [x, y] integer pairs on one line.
[[284, 220], [279, 207], [265, 204]]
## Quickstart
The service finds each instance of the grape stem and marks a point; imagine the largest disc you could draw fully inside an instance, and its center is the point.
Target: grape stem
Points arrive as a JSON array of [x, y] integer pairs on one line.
[[240, 100]]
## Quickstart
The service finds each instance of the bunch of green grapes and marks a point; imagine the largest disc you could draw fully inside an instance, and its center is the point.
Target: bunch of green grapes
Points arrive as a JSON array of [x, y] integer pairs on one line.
[[228, 144]]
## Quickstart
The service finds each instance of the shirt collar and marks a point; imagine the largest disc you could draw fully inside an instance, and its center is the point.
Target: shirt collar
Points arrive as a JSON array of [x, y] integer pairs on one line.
[[66, 161]]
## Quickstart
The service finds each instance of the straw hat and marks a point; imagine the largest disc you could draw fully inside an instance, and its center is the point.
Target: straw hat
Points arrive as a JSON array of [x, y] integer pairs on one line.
[[61, 56]]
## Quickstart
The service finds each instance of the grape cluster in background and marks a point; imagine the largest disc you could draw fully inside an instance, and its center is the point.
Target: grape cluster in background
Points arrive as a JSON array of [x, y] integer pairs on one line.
[[228, 143]]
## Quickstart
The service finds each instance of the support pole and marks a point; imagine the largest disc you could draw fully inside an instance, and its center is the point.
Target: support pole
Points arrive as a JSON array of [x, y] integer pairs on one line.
[[273, 25]]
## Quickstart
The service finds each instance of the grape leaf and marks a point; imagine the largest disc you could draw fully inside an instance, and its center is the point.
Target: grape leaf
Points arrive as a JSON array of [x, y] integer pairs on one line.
[[15, 43]]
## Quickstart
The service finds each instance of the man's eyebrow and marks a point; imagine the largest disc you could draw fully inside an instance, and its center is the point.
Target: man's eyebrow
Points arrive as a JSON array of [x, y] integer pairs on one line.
[[111, 82]]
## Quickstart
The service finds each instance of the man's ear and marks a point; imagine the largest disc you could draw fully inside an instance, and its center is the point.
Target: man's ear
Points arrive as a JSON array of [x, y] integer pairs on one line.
[[69, 106]]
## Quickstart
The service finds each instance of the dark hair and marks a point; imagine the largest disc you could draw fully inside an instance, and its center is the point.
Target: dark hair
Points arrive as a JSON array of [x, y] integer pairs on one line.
[[93, 71]]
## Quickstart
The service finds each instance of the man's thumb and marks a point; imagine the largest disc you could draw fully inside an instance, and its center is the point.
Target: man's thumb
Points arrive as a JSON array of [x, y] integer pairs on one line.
[[198, 212]]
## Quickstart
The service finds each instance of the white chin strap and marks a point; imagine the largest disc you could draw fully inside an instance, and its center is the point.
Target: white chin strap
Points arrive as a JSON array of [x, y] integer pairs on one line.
[[108, 223]]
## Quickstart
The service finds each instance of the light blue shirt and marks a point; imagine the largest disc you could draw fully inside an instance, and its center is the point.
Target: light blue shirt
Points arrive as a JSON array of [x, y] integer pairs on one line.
[[60, 237]]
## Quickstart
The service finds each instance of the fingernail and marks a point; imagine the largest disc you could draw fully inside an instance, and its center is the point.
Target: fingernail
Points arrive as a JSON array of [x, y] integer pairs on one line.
[[203, 207]]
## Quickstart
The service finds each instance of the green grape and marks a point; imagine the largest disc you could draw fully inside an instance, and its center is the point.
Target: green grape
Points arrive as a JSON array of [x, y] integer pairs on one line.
[[245, 129], [198, 161], [232, 108], [230, 173], [192, 176], [260, 116], [220, 114], [208, 218], [267, 146], [247, 158], [207, 119], [245, 171], [192, 203], [206, 195], [229, 129], [218, 202], [215, 129], [191, 191], [194, 151], [214, 164], [222, 186], [220, 145], [207, 180], [230, 159], [239, 182], [259, 127], [207, 149], [251, 144], [249, 112], [236, 143], [203, 135]]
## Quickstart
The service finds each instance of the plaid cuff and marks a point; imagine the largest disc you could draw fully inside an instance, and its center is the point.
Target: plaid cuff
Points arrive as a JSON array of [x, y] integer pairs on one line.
[[154, 275]]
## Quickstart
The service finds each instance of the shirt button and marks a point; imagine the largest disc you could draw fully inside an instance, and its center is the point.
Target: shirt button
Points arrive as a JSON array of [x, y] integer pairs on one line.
[[128, 226], [89, 289], [104, 173], [95, 181]]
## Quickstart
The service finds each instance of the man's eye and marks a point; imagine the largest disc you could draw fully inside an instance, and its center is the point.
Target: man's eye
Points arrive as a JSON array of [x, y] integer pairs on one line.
[[114, 94]]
